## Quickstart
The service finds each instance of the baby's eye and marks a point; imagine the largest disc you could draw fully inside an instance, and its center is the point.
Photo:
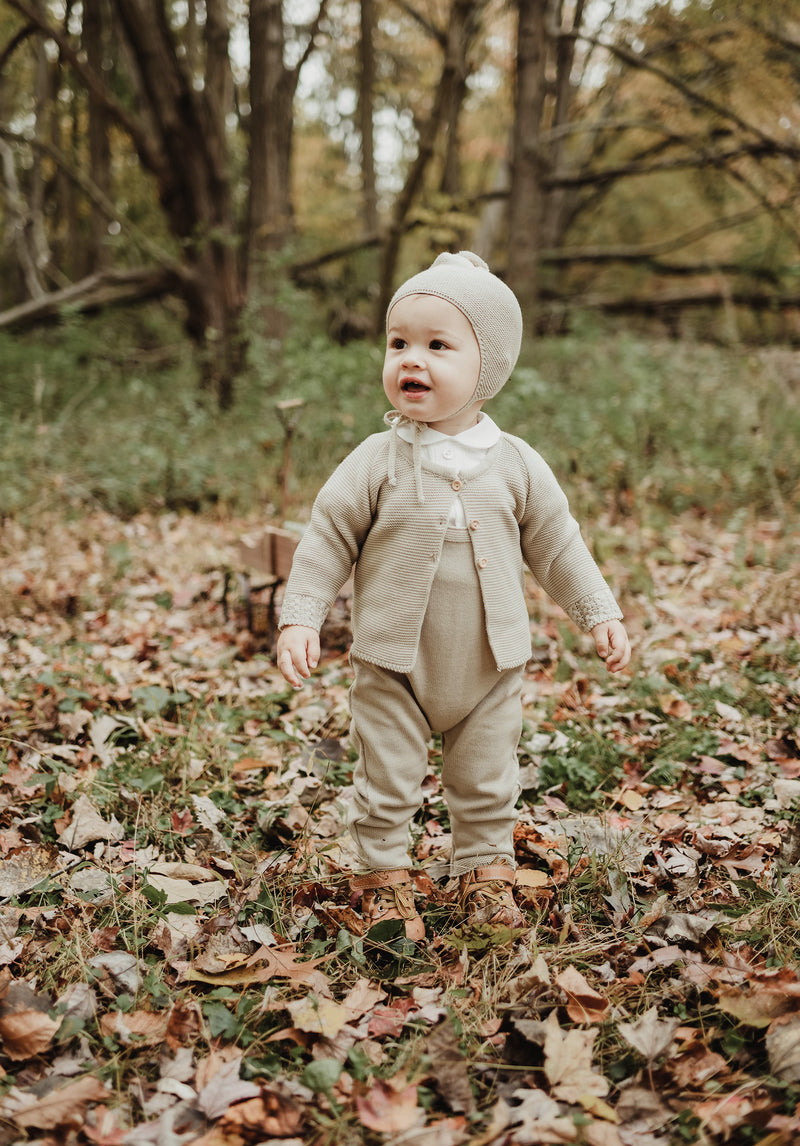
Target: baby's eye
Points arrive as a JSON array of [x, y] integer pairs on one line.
[[398, 344], [437, 344]]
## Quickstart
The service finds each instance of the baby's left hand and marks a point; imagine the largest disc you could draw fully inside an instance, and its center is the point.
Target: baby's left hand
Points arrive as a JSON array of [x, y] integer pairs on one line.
[[612, 644]]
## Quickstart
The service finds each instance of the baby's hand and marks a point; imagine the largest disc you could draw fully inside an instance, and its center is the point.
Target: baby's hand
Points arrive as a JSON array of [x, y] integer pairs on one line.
[[612, 644], [298, 653]]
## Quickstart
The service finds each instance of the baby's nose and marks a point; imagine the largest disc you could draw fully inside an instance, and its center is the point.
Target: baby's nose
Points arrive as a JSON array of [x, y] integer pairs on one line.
[[412, 356]]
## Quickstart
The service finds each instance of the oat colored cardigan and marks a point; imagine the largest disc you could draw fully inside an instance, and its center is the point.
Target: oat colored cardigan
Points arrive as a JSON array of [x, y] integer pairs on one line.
[[515, 511]]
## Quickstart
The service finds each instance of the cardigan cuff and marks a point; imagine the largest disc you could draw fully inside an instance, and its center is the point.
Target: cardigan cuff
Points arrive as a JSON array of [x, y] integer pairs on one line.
[[298, 610], [593, 609]]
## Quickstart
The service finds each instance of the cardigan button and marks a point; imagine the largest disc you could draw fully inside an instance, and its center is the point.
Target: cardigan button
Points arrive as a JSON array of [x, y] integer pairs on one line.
[[456, 485], [482, 563], [474, 524]]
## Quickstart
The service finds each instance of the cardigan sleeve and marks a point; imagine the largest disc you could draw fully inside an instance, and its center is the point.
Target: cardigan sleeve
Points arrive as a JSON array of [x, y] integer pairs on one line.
[[555, 551], [340, 521]]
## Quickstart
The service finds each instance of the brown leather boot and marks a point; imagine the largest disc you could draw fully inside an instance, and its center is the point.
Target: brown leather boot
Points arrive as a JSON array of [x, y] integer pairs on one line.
[[485, 896], [389, 895]]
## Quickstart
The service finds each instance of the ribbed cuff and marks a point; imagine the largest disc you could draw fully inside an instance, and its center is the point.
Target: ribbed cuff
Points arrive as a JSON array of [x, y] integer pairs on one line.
[[593, 609], [297, 610]]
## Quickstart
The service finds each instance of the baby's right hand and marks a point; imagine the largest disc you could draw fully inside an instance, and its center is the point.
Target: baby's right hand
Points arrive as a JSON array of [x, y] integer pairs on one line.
[[298, 653]]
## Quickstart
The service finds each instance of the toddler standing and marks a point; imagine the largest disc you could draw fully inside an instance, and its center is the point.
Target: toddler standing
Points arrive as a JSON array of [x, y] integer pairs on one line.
[[438, 515]]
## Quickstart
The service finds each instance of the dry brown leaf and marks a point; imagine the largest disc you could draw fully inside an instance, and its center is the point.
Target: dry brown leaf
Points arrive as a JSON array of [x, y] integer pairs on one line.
[[568, 1063], [137, 1028], [361, 998], [318, 1016], [184, 1023], [265, 964], [215, 1061], [23, 871], [65, 1106], [584, 1005], [87, 825], [387, 1110], [26, 1029], [537, 1119], [271, 1114], [783, 1048], [225, 1088], [450, 1075], [757, 1007], [648, 1034]]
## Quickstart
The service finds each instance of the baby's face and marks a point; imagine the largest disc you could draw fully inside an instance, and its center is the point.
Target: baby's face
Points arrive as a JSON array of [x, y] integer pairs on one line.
[[432, 363]]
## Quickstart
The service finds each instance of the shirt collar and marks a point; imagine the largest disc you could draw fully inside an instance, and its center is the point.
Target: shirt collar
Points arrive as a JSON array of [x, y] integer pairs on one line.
[[481, 436]]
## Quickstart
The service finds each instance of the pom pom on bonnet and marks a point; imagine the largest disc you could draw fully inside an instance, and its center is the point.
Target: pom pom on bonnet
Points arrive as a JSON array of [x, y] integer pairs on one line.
[[490, 306]]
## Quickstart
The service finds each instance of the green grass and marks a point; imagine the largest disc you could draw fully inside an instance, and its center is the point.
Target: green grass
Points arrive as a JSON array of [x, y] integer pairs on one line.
[[105, 412]]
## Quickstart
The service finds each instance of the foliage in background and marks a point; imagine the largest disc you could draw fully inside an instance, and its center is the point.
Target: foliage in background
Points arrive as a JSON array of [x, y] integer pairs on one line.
[[628, 424]]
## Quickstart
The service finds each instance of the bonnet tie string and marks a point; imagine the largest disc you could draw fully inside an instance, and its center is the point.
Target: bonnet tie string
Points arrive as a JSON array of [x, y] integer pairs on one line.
[[393, 419]]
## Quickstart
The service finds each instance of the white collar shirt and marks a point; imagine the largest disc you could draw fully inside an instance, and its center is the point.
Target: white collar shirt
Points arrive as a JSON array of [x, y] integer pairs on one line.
[[458, 453]]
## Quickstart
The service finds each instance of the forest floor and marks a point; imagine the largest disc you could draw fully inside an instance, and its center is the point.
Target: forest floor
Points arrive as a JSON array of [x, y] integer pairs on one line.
[[179, 958]]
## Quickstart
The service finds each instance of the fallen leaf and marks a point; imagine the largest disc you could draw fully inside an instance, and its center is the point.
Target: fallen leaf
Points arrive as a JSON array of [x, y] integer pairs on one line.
[[756, 1007], [26, 1029], [184, 891], [783, 1048], [265, 964], [87, 825], [450, 1073], [65, 1106], [225, 1088], [318, 1016], [361, 998], [387, 1110], [136, 1028], [584, 1005], [21, 872], [568, 1063], [270, 1114], [536, 1117], [648, 1034]]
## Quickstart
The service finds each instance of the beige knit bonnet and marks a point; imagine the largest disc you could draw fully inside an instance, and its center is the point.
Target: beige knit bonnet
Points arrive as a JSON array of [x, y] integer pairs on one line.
[[490, 307]]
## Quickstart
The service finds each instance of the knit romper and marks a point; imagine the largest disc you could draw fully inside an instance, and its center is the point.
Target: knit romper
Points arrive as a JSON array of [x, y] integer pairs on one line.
[[456, 689]]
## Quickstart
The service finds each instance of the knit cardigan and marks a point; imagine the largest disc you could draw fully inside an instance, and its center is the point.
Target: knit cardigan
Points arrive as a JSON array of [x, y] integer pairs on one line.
[[393, 533]]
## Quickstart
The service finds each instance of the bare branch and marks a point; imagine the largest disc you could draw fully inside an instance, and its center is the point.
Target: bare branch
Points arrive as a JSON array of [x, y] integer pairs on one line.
[[99, 290], [311, 44], [643, 63], [438, 34], [721, 158]]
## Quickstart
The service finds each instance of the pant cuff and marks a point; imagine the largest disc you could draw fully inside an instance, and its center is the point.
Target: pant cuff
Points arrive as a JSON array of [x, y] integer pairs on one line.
[[462, 866]]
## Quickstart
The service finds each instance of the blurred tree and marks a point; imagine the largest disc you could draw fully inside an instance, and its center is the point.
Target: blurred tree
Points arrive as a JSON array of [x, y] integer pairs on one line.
[[171, 94]]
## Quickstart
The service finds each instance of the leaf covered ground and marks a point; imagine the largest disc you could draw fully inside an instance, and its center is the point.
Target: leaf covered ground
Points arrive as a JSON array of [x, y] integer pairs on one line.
[[179, 958]]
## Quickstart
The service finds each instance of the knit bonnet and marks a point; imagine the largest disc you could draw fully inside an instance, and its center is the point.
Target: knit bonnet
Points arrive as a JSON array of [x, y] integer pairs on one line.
[[491, 308]]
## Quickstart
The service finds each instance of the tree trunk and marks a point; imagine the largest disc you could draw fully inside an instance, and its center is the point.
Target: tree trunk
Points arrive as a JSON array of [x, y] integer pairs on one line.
[[525, 207], [271, 124], [191, 163], [461, 17], [366, 47], [99, 146], [557, 203], [462, 28]]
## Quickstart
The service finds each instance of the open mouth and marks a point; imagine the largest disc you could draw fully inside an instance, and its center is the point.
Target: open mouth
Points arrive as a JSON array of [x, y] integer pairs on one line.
[[412, 386]]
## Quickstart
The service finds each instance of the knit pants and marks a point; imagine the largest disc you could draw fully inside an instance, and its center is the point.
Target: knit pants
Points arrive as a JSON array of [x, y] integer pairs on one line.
[[454, 688]]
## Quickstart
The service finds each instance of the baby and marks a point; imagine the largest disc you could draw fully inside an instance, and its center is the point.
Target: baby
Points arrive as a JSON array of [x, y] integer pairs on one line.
[[438, 515]]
